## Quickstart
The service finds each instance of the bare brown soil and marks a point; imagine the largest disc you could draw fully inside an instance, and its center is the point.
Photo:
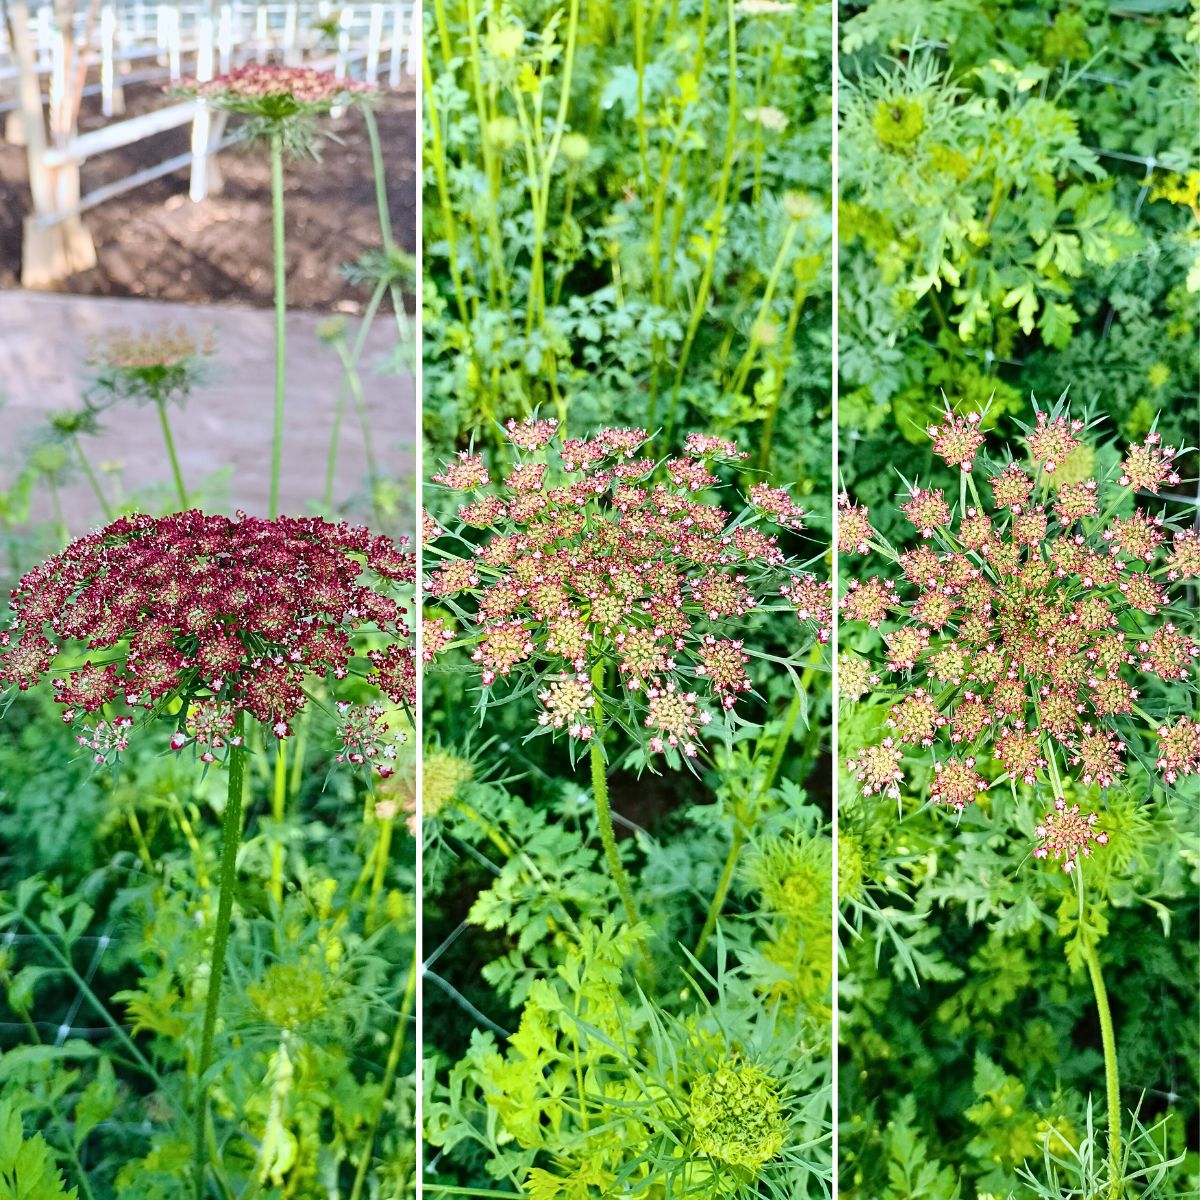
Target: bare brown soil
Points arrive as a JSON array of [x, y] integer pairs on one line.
[[154, 243]]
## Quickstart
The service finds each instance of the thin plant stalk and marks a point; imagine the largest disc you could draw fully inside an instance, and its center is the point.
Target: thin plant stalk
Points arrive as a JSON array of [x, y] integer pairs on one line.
[[169, 442], [381, 196], [600, 797], [93, 482], [279, 794], [740, 837], [231, 829], [60, 520], [1112, 1076], [278, 241], [389, 1078], [349, 360], [706, 278]]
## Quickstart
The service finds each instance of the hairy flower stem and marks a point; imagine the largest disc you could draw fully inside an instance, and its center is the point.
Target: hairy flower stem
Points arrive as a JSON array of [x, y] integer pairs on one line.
[[1111, 1073], [389, 1078], [600, 796], [738, 844], [231, 829], [169, 442], [280, 316]]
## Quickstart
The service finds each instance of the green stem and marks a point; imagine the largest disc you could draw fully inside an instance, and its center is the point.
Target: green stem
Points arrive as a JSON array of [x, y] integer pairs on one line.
[[64, 534], [715, 231], [280, 317], [278, 813], [97, 491], [383, 850], [600, 796], [169, 442], [738, 844], [381, 196], [231, 828], [389, 1078], [1111, 1074]]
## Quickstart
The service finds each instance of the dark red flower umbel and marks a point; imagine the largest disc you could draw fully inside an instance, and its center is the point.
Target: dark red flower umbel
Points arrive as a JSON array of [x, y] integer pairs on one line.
[[224, 615]]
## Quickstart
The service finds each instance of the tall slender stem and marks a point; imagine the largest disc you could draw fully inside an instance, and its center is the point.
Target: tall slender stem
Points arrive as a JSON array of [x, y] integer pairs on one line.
[[738, 843], [1111, 1073], [169, 442], [278, 813], [280, 316], [381, 196], [231, 830], [389, 1078], [93, 482], [600, 797]]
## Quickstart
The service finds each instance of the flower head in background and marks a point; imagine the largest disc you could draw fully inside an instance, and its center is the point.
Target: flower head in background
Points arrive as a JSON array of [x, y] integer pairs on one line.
[[1029, 626], [151, 366], [281, 101], [605, 584], [201, 618]]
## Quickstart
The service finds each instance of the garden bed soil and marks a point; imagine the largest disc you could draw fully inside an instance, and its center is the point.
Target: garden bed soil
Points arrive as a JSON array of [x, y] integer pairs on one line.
[[154, 243]]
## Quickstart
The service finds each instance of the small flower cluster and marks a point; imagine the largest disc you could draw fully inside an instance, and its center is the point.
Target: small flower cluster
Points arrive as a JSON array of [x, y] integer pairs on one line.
[[1019, 628], [1066, 835], [149, 366], [600, 563], [216, 616]]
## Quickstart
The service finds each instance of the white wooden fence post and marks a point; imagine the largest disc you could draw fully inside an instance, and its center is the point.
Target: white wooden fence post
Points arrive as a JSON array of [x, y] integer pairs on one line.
[[174, 46], [45, 37], [413, 58], [374, 42], [225, 38], [396, 54], [202, 122], [112, 98], [262, 36], [161, 19], [343, 42], [291, 27]]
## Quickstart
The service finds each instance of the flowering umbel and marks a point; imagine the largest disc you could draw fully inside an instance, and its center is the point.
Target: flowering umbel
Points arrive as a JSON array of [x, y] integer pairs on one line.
[[281, 100], [1027, 629], [197, 618], [597, 564]]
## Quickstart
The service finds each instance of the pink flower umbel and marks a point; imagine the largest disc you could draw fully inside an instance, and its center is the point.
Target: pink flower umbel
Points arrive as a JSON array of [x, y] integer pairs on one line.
[[210, 617], [1066, 835], [1034, 634], [281, 101], [610, 583]]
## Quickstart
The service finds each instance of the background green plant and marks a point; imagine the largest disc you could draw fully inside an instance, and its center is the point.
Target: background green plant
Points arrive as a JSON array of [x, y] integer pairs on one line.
[[611, 238], [1017, 207]]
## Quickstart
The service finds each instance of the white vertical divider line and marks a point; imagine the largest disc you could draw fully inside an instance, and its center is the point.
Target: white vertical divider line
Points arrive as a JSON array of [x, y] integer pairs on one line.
[[418, 605], [834, 640]]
